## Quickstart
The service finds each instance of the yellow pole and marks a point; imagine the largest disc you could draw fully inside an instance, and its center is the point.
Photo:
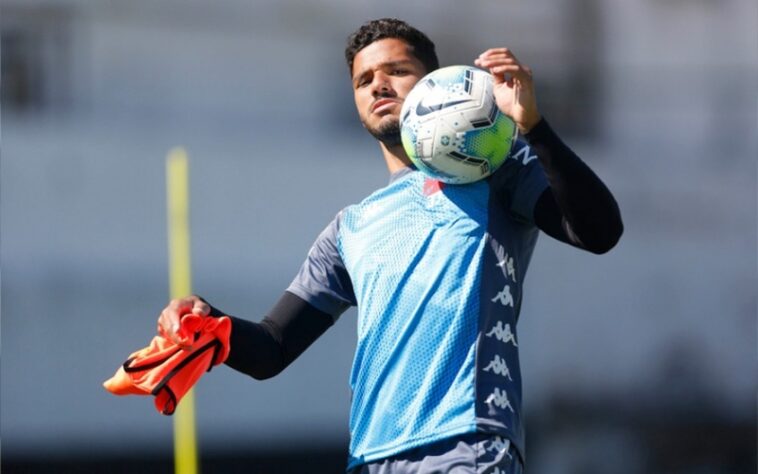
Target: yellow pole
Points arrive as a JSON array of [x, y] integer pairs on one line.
[[180, 284]]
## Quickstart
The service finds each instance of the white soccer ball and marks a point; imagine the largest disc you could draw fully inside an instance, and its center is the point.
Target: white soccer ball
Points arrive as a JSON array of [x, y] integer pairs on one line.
[[451, 127]]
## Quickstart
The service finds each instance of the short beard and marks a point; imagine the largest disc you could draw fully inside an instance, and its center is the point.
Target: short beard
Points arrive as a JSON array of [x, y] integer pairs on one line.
[[388, 133]]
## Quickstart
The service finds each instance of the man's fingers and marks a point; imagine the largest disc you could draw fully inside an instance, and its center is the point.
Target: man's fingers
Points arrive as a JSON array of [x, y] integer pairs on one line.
[[496, 62], [520, 72], [180, 304], [190, 304], [169, 321], [496, 52], [168, 324], [497, 59], [487, 63], [201, 307], [500, 68], [507, 73]]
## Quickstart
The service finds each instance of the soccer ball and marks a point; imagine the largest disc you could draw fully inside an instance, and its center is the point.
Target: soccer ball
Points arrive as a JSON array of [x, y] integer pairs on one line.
[[451, 127]]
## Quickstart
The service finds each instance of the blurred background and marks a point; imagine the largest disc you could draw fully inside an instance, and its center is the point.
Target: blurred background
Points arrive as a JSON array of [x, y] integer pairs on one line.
[[642, 360]]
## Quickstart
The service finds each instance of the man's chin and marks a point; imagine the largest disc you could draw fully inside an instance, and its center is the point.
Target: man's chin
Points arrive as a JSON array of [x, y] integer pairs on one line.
[[387, 133]]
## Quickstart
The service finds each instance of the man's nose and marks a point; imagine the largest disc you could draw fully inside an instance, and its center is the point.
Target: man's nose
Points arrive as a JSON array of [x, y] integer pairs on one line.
[[382, 85]]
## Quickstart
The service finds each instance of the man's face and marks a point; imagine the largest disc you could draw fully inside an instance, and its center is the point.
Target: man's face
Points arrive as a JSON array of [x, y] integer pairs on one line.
[[384, 72]]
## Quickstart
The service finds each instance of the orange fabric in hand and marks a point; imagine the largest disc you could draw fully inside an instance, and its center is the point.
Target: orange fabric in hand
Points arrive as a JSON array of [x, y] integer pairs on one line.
[[168, 371]]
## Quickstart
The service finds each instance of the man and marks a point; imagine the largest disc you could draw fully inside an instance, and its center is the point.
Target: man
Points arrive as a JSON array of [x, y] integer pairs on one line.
[[436, 273]]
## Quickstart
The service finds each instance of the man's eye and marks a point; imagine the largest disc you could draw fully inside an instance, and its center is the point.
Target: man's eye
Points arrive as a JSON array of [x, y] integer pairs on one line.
[[400, 72]]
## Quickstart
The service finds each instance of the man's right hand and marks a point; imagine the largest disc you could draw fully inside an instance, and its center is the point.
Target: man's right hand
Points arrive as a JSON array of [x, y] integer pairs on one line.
[[171, 316]]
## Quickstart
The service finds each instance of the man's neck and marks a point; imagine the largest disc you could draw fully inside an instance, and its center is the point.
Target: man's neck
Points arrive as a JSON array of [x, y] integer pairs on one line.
[[395, 157]]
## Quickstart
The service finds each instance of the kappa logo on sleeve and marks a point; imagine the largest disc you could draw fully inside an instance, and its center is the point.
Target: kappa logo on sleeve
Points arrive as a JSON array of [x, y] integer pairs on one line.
[[500, 445], [504, 297], [499, 367], [503, 334], [498, 398], [505, 263]]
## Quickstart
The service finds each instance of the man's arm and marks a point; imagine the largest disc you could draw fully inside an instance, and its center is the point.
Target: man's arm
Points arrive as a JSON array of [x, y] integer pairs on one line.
[[320, 292], [577, 208], [264, 349]]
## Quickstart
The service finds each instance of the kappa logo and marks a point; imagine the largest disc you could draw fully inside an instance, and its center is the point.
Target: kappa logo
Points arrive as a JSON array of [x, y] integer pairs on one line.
[[504, 297], [499, 367], [505, 262], [503, 334], [498, 398], [499, 445]]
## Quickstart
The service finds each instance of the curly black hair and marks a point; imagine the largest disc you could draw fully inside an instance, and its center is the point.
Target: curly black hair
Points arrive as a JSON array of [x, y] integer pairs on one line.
[[420, 44]]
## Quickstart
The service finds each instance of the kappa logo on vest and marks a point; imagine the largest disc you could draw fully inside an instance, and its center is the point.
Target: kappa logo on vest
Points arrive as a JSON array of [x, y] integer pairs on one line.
[[503, 334], [505, 263], [500, 445], [499, 367], [504, 297], [498, 398]]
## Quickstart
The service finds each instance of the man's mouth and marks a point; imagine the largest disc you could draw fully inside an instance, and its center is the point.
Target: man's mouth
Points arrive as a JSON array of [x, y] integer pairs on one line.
[[383, 105]]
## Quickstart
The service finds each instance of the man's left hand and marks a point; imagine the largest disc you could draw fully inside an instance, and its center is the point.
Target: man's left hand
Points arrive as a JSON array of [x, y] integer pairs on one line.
[[514, 87]]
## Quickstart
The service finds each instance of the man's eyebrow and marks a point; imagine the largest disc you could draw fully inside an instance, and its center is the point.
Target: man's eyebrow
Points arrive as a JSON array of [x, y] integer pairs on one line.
[[388, 64]]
